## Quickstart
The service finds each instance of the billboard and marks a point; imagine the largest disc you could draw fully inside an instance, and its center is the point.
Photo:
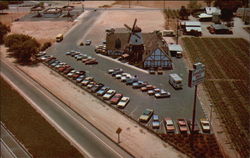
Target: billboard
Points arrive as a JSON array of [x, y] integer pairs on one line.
[[197, 75]]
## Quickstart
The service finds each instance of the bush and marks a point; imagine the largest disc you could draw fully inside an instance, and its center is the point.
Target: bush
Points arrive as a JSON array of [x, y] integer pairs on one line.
[[22, 47], [3, 31], [45, 46]]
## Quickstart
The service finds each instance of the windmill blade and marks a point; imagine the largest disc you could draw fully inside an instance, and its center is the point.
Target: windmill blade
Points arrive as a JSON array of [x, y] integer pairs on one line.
[[137, 35], [129, 36], [127, 27], [134, 25]]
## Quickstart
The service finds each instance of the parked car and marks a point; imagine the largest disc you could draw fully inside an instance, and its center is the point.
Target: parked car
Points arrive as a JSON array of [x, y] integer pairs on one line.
[[80, 78], [67, 53], [151, 92], [147, 87], [42, 53], [182, 125], [196, 127], [88, 42], [116, 98], [119, 71], [156, 122], [61, 69], [102, 91], [160, 71], [71, 73], [139, 84], [123, 102], [110, 93], [87, 80], [66, 71], [146, 115], [151, 71], [169, 123], [79, 57], [96, 87], [91, 62], [91, 84], [87, 59], [118, 76], [205, 125], [162, 94], [130, 81]]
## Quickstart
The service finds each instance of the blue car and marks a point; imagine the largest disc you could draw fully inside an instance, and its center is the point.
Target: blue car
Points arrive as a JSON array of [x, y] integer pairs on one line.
[[102, 91]]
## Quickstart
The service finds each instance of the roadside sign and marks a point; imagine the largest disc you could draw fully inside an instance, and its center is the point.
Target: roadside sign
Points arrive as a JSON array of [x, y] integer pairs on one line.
[[197, 75], [119, 130]]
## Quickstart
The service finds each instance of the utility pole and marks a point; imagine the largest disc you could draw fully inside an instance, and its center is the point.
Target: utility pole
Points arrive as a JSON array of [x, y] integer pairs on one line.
[[177, 31], [129, 3]]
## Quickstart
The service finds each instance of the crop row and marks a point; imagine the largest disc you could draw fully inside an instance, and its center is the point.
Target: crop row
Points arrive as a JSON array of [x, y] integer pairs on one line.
[[235, 133], [171, 13], [225, 59]]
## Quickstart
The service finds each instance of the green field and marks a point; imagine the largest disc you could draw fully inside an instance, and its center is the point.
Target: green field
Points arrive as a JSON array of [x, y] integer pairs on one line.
[[227, 62], [30, 128]]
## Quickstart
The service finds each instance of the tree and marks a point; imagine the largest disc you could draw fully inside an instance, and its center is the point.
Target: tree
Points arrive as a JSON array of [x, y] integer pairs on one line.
[[3, 31], [183, 13], [193, 5], [4, 5], [22, 47]]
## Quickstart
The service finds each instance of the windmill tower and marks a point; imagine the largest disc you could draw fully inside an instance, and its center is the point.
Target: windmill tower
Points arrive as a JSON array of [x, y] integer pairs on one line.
[[135, 46]]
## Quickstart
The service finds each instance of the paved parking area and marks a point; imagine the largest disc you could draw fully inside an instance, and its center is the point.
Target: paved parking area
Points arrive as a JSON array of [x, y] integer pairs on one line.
[[179, 105]]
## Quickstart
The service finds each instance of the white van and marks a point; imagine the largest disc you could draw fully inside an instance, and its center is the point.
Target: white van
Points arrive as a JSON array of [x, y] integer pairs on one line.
[[175, 80]]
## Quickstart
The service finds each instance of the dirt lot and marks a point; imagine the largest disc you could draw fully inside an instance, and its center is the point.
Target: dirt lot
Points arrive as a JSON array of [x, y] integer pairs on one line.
[[227, 83], [43, 31], [145, 20], [7, 19], [156, 4]]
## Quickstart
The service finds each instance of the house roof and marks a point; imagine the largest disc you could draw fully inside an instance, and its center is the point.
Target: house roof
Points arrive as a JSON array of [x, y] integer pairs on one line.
[[175, 47], [192, 23]]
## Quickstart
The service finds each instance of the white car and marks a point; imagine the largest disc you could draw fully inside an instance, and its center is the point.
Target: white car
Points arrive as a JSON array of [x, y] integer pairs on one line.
[[110, 93], [151, 92], [123, 102], [118, 76]]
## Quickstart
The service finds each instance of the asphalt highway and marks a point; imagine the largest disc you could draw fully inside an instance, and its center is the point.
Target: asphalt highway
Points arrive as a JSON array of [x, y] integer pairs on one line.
[[179, 105], [10, 148], [87, 138]]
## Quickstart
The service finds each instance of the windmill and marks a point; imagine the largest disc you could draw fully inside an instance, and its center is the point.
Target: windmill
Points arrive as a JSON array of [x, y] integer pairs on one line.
[[135, 43]]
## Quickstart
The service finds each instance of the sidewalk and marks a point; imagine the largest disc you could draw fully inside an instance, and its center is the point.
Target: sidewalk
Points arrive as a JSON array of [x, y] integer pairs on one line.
[[135, 139]]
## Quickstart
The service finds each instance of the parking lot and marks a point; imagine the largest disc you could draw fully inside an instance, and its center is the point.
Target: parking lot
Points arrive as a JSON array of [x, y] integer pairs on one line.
[[179, 105]]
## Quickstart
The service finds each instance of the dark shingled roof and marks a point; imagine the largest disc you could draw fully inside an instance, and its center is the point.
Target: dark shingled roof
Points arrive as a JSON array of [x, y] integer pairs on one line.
[[151, 41]]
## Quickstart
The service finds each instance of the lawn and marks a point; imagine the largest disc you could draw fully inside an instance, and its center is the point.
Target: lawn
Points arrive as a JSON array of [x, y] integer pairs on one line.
[[227, 82], [30, 128]]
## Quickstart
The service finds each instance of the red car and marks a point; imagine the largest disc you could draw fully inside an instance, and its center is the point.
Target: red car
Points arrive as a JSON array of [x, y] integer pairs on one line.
[[91, 62], [182, 125], [116, 98]]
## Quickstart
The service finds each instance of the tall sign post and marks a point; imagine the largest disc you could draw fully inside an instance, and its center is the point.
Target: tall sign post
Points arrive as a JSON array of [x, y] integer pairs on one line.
[[195, 77]]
